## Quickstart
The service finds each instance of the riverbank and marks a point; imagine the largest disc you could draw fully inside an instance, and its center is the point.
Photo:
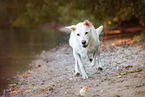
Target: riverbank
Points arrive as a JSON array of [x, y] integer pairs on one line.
[[52, 73]]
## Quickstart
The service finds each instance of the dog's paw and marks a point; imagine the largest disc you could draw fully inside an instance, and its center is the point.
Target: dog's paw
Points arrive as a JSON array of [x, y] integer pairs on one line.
[[100, 68], [76, 74], [90, 60]]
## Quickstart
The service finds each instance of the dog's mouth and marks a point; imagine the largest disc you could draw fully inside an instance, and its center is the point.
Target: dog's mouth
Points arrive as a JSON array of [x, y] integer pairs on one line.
[[85, 45]]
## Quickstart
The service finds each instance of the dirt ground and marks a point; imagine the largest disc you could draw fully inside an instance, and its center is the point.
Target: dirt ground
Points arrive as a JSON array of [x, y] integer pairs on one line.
[[123, 74]]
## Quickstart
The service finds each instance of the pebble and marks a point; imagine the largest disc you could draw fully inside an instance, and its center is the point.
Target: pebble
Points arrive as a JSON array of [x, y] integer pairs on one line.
[[29, 71], [43, 52], [14, 92], [28, 91], [70, 78], [44, 57], [50, 89], [35, 88], [101, 91], [119, 76], [42, 83], [43, 80], [126, 85], [7, 90]]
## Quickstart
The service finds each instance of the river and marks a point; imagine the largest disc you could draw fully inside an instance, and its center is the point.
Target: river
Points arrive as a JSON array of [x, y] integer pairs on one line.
[[18, 47]]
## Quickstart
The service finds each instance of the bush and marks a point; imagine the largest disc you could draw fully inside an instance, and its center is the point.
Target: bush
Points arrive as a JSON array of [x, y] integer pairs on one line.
[[35, 12]]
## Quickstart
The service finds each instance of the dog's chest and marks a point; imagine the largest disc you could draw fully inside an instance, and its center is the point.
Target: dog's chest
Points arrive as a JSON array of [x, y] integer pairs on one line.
[[86, 52], [82, 52]]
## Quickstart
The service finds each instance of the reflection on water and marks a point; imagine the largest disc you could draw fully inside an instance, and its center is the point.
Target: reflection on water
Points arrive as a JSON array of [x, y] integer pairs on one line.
[[19, 47]]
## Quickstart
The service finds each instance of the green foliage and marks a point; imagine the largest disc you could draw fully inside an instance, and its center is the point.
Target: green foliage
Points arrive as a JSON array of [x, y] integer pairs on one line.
[[35, 12], [140, 38]]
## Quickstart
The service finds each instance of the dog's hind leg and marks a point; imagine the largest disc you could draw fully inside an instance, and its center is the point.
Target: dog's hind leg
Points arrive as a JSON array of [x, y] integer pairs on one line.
[[79, 62], [99, 59]]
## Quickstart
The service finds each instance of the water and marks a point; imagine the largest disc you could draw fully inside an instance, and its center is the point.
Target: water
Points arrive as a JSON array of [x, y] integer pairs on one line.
[[19, 47]]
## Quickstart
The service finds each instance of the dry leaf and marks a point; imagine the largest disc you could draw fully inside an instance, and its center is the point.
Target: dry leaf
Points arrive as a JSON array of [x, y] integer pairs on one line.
[[50, 71], [119, 76], [120, 69], [132, 71], [124, 73], [25, 75], [139, 69], [64, 73], [116, 95], [128, 66]]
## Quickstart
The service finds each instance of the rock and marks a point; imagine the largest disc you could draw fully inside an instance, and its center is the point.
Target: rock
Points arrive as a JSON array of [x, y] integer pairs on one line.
[[7, 90], [43, 80], [28, 91], [126, 85], [101, 91], [119, 76], [64, 73], [70, 78], [44, 57], [39, 65], [50, 89], [29, 72], [12, 92], [43, 51], [100, 68], [35, 88], [42, 83]]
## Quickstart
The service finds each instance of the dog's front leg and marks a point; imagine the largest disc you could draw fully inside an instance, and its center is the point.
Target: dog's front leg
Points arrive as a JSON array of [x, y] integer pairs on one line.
[[94, 59], [79, 62], [77, 72], [99, 59]]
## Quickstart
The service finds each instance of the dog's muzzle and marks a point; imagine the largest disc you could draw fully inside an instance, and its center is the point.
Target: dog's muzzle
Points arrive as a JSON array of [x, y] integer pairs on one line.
[[84, 43]]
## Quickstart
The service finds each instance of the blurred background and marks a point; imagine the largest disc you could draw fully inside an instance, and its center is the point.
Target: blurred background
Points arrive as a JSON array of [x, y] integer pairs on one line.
[[28, 27], [20, 13]]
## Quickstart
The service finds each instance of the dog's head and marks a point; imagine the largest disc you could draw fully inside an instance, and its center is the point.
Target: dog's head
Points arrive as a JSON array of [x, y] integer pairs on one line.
[[83, 32]]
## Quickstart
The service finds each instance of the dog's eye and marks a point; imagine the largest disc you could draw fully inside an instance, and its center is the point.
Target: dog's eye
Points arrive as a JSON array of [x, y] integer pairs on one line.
[[86, 33], [78, 34]]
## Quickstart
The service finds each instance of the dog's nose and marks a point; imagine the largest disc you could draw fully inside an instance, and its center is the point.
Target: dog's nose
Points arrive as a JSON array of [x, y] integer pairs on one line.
[[83, 41]]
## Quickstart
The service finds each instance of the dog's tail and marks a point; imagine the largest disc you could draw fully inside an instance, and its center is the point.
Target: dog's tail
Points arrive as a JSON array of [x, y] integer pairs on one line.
[[99, 30]]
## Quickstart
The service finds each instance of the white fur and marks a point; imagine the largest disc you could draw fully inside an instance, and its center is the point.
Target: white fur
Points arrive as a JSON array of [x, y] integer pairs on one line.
[[91, 46]]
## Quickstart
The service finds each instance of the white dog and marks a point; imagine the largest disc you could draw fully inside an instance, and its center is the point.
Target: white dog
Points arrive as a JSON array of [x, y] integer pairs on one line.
[[84, 40]]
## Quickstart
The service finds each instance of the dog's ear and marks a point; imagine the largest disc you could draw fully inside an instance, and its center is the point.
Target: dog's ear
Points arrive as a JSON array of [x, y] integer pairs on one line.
[[72, 28], [99, 29], [87, 23]]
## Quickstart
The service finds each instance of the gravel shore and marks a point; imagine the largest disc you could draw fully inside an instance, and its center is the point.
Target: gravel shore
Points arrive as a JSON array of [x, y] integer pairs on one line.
[[123, 74]]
